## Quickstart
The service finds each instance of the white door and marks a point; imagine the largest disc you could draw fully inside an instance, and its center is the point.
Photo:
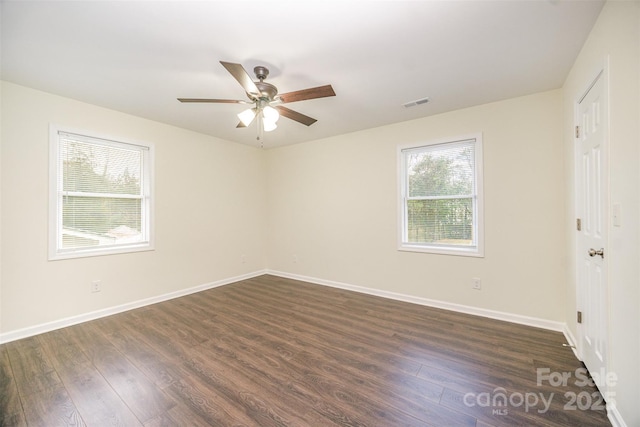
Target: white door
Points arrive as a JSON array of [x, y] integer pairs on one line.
[[592, 206]]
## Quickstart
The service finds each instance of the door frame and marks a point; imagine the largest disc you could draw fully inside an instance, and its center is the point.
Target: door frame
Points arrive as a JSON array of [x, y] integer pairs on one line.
[[603, 73]]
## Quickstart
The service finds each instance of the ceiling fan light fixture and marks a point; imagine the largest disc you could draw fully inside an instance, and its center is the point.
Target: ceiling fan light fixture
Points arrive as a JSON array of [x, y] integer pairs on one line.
[[270, 114], [247, 116], [269, 125]]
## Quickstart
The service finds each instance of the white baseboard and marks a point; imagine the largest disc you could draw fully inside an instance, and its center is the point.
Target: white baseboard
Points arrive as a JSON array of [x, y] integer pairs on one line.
[[498, 315], [571, 340], [74, 320], [69, 321], [614, 416]]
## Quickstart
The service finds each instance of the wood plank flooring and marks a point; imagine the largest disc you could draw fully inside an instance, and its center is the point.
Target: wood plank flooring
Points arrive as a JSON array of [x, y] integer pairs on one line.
[[277, 352]]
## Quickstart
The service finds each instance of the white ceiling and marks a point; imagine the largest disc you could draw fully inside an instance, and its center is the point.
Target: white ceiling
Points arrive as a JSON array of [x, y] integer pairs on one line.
[[138, 57]]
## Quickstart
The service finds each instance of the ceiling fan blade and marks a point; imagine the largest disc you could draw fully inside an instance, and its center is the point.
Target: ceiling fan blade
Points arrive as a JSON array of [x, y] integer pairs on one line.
[[240, 74], [294, 115], [241, 125], [222, 101], [312, 93]]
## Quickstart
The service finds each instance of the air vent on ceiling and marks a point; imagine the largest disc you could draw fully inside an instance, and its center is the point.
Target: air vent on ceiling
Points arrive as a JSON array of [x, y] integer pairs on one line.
[[416, 102]]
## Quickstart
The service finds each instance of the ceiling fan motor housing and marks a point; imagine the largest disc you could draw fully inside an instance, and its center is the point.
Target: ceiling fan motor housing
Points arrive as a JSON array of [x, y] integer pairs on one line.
[[267, 90]]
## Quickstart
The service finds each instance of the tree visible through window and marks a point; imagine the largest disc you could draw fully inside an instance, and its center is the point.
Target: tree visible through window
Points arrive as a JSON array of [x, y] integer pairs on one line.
[[440, 196], [102, 195]]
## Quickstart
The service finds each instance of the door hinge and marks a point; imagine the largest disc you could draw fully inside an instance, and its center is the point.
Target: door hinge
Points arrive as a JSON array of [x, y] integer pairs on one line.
[[579, 317], [577, 131], [578, 224]]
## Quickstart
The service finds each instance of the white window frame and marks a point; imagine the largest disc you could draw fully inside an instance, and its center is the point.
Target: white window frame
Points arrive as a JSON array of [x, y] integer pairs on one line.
[[56, 252], [478, 202]]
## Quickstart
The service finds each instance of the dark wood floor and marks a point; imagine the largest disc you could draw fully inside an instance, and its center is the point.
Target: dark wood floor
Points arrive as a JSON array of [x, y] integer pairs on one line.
[[271, 351]]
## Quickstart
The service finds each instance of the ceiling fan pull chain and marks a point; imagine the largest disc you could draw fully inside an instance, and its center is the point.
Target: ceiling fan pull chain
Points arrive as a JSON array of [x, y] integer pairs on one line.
[[260, 129]]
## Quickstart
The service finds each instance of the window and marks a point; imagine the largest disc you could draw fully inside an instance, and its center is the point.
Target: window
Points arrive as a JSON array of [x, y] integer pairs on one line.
[[441, 197], [100, 196]]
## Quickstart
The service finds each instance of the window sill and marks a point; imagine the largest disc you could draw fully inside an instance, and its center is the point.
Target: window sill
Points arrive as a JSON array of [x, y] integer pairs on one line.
[[142, 247], [442, 250]]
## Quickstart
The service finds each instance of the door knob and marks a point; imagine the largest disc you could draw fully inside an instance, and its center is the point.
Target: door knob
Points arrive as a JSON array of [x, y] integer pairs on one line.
[[593, 252]]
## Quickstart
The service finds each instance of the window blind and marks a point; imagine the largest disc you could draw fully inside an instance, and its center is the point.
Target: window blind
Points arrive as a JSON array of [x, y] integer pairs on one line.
[[102, 193], [440, 194]]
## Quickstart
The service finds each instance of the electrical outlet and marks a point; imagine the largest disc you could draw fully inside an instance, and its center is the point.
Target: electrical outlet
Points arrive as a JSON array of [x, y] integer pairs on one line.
[[243, 259], [96, 286], [476, 284], [295, 259]]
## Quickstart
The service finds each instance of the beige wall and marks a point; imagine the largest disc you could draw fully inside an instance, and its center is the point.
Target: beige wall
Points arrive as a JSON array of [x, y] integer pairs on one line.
[[333, 205], [615, 36], [210, 201]]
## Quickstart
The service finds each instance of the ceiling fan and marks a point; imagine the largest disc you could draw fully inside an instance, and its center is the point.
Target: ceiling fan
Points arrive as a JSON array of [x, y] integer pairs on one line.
[[265, 100]]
